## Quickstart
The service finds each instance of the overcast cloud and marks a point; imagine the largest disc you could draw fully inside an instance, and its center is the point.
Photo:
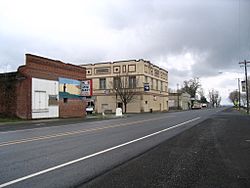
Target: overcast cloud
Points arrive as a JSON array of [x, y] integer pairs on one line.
[[189, 38]]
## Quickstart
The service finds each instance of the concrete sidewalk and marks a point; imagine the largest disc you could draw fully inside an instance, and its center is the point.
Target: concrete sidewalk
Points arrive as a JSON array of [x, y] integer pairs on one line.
[[215, 153]]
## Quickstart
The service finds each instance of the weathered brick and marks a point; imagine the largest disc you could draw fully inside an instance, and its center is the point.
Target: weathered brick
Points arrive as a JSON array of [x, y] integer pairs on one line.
[[15, 88]]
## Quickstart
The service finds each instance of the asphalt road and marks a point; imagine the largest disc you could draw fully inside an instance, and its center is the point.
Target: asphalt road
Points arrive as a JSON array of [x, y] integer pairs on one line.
[[75, 153], [214, 153]]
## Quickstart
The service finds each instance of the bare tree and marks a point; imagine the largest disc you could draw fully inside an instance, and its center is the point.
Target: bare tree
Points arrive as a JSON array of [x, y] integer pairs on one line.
[[191, 86], [126, 88], [214, 98], [234, 97], [201, 92]]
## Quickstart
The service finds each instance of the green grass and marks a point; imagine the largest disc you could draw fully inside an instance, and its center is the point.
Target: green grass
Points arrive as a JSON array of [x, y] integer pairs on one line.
[[243, 111], [6, 119]]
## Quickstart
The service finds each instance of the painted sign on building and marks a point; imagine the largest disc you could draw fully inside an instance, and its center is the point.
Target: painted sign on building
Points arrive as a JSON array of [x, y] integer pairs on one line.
[[69, 88], [146, 87], [243, 86], [86, 88]]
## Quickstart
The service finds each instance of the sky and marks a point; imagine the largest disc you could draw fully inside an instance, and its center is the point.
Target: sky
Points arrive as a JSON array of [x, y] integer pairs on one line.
[[190, 39]]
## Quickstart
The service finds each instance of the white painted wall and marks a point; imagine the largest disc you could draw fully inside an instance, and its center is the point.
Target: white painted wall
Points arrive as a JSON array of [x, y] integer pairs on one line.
[[41, 89]]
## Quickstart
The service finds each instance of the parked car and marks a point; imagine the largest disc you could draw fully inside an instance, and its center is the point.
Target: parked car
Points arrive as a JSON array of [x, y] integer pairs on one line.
[[204, 105], [197, 105], [90, 107]]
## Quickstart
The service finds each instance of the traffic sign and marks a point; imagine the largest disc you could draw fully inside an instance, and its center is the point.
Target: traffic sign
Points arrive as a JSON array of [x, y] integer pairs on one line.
[[146, 87]]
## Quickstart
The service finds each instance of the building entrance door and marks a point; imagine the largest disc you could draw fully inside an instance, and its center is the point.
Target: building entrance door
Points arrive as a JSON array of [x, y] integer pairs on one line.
[[119, 105]]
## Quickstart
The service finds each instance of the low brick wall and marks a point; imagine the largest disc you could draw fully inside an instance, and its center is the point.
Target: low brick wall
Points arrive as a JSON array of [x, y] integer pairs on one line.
[[72, 108]]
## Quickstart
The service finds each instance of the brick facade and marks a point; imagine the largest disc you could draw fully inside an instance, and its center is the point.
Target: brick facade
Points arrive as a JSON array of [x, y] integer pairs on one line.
[[15, 88], [23, 98], [73, 108], [8, 93], [40, 67]]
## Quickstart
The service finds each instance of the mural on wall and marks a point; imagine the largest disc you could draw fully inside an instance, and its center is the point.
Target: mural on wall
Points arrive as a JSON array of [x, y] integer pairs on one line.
[[69, 88]]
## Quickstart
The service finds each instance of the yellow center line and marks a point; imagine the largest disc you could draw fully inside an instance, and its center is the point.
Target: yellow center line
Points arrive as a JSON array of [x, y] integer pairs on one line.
[[73, 132]]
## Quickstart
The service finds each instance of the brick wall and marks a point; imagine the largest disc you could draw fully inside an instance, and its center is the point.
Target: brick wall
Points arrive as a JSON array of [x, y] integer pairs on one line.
[[40, 67], [15, 95], [2, 94], [23, 99], [73, 108], [8, 94]]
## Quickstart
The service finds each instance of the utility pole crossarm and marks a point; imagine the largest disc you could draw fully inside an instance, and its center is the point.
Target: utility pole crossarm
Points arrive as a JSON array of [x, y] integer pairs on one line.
[[243, 62]]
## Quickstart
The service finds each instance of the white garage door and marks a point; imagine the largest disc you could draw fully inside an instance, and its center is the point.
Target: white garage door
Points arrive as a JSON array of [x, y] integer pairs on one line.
[[40, 100]]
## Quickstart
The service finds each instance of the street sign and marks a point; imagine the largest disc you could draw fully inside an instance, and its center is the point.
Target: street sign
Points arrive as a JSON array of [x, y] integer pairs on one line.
[[86, 88], [243, 86], [146, 87]]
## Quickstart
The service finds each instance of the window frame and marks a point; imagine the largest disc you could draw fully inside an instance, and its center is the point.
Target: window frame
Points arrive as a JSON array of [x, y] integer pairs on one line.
[[102, 83]]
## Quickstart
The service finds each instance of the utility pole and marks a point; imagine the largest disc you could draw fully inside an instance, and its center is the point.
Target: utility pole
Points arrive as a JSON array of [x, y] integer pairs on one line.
[[178, 99], [116, 97], [245, 65], [239, 91]]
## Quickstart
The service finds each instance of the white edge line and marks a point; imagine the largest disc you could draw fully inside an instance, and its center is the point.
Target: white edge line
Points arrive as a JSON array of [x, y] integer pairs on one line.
[[93, 155]]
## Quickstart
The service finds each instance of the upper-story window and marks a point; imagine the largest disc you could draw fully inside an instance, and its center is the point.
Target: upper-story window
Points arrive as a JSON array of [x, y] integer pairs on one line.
[[145, 68], [102, 83], [131, 68], [102, 70], [116, 82], [132, 81], [152, 83], [151, 71], [156, 72], [157, 85]]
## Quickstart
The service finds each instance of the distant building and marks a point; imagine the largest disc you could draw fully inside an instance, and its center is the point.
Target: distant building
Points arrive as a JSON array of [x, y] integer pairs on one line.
[[179, 100], [150, 81], [42, 88]]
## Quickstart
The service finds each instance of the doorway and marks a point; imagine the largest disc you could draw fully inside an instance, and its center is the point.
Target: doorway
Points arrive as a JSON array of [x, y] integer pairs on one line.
[[119, 105]]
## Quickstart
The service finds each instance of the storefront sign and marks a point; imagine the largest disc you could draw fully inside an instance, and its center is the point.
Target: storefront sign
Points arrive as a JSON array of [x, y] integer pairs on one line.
[[86, 88]]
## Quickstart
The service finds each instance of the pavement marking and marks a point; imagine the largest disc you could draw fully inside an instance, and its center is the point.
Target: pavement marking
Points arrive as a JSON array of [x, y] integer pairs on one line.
[[94, 154], [247, 140], [69, 133]]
